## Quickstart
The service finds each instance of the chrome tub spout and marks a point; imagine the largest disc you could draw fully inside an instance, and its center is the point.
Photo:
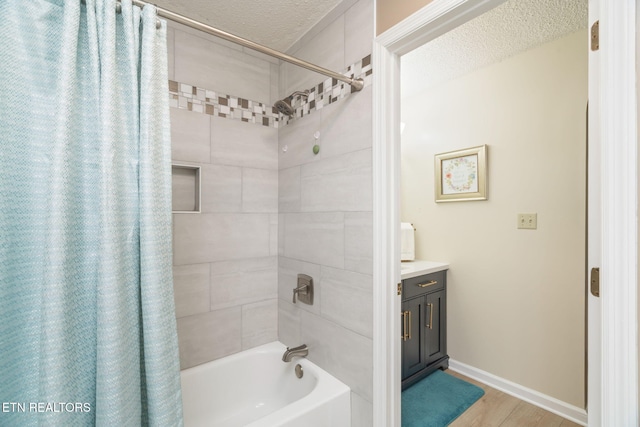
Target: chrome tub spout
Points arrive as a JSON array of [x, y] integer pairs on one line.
[[300, 351]]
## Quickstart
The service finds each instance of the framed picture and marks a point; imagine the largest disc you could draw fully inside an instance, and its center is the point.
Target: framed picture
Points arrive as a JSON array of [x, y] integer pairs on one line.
[[461, 175]]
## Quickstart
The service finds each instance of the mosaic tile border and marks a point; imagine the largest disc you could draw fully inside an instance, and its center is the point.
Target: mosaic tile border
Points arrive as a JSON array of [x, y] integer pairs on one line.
[[330, 91], [205, 101], [199, 100]]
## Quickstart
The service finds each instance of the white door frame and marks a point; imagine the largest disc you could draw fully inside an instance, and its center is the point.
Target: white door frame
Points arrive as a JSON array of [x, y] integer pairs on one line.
[[619, 187], [594, 235], [619, 192]]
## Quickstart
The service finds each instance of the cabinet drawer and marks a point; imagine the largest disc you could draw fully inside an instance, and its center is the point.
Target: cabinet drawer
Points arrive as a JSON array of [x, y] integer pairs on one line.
[[422, 284]]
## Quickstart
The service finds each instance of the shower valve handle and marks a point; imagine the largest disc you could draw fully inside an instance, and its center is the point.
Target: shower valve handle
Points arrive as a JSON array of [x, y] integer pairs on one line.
[[300, 290]]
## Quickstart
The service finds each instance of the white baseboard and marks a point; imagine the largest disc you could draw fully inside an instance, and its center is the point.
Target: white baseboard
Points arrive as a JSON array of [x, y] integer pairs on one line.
[[548, 403]]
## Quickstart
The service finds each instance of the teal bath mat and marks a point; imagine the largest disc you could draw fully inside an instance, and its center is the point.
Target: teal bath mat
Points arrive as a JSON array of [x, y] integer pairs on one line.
[[437, 400]]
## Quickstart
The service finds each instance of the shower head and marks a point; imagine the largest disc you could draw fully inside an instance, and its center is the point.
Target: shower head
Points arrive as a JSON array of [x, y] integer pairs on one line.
[[284, 105]]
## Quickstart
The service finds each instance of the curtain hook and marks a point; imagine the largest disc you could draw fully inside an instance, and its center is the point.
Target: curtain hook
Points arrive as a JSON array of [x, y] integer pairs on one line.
[[118, 7]]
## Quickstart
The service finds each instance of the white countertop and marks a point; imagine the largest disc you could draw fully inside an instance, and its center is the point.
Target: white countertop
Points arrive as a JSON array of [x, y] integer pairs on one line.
[[409, 269]]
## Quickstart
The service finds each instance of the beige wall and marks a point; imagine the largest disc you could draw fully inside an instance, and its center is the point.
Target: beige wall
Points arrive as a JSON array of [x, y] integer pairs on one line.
[[390, 12], [515, 297]]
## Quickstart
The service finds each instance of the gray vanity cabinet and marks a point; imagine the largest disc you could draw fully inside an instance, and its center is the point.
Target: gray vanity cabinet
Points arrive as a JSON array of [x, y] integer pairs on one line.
[[424, 326]]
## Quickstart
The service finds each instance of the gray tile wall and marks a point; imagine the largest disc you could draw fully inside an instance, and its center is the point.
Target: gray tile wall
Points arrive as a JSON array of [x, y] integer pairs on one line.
[[225, 258], [268, 215], [325, 214]]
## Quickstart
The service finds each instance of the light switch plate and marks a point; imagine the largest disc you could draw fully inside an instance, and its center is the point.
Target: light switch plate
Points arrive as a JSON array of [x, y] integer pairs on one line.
[[528, 221]]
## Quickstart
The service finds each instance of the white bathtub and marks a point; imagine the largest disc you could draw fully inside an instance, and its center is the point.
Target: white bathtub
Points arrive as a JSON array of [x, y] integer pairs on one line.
[[256, 388]]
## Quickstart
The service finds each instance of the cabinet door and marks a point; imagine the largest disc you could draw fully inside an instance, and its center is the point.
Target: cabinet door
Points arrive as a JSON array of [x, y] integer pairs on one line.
[[435, 326], [413, 355]]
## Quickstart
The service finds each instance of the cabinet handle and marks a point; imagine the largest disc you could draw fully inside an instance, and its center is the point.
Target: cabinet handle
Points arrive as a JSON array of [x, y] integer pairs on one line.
[[404, 325], [406, 329], [430, 325], [424, 285]]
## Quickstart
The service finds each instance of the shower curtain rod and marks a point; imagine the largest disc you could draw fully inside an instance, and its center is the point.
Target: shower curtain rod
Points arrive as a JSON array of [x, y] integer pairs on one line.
[[356, 84]]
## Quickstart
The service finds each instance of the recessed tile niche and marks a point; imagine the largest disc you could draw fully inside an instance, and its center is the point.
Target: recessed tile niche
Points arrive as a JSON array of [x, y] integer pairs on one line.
[[185, 185]]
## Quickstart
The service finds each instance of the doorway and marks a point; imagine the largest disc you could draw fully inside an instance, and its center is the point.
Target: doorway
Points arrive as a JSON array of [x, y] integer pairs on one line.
[[434, 20], [514, 295]]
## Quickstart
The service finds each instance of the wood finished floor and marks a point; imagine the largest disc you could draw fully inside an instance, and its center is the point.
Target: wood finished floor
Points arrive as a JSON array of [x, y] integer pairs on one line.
[[498, 409]]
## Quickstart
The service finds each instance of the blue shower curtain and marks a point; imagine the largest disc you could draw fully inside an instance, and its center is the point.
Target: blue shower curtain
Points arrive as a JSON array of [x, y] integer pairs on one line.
[[87, 323]]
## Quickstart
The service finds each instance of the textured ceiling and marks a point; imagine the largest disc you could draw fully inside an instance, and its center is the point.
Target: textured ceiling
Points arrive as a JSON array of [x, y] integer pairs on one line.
[[511, 28], [277, 24]]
